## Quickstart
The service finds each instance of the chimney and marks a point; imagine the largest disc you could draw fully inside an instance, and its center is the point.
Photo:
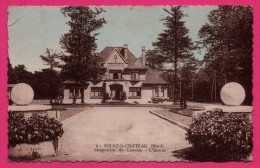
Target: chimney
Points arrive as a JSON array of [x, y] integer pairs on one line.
[[125, 51], [143, 55]]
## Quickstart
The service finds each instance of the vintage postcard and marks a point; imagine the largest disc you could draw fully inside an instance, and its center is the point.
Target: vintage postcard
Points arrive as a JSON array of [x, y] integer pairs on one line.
[[130, 83]]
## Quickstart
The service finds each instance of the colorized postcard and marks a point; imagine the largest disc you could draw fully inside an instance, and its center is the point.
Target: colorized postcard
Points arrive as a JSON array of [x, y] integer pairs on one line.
[[130, 83]]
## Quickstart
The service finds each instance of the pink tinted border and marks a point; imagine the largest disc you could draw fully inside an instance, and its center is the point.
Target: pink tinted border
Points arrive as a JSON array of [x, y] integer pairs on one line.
[[3, 81]]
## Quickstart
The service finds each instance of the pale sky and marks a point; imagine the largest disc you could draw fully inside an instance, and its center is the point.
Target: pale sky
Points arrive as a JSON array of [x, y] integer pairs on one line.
[[33, 29]]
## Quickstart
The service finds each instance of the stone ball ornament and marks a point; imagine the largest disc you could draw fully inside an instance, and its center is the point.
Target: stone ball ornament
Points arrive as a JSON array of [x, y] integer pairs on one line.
[[22, 94], [232, 94]]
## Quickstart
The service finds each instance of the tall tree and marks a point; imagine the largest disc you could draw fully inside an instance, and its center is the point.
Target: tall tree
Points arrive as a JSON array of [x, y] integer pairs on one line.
[[154, 59], [227, 38], [50, 58], [80, 63], [174, 41]]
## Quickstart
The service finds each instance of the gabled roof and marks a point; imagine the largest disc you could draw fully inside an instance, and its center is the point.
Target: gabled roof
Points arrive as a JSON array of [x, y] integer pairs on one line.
[[132, 61], [154, 77], [120, 54]]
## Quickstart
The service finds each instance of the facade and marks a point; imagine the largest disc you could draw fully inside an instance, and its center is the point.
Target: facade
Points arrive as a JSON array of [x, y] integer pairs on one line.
[[122, 73]]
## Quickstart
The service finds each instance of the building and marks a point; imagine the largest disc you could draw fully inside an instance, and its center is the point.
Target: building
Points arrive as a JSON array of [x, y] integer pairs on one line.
[[122, 73]]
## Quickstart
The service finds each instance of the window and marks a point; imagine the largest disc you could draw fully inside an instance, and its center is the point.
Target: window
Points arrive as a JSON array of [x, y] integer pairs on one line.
[[134, 75], [96, 91], [162, 91], [74, 92], [115, 74], [135, 92], [156, 92]]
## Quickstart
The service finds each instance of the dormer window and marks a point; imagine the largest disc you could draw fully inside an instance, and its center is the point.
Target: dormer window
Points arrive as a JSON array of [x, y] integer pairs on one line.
[[115, 74], [134, 75]]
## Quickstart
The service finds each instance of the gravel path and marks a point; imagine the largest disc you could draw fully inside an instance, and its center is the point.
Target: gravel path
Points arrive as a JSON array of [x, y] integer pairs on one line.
[[98, 127]]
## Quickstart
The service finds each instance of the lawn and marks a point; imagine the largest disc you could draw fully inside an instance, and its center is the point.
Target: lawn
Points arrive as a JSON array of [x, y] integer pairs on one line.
[[179, 118], [68, 111]]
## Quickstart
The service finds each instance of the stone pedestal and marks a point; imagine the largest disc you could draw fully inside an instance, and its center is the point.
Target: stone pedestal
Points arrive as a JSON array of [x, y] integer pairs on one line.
[[28, 150], [225, 109], [29, 110], [42, 148]]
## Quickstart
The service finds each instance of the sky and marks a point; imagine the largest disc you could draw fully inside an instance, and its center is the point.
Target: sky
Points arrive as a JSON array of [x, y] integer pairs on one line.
[[33, 29]]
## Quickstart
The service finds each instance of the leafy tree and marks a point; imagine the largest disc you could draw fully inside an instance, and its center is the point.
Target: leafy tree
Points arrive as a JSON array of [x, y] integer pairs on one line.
[[12, 78], [174, 42], [51, 59], [42, 86], [80, 63], [227, 38], [201, 86], [23, 76]]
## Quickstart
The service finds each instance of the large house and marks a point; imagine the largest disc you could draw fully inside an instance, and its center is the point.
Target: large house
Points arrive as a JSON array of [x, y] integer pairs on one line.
[[123, 72]]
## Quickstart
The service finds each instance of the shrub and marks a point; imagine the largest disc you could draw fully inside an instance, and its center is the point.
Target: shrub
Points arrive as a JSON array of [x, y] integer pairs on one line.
[[221, 136], [123, 96], [17, 125], [105, 97], [34, 130]]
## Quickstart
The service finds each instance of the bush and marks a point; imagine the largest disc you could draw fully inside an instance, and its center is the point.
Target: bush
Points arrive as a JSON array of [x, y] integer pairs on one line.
[[34, 130], [123, 97], [223, 137], [105, 97]]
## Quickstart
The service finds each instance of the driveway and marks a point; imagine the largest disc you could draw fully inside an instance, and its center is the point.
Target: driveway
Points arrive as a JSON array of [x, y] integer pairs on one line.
[[119, 134]]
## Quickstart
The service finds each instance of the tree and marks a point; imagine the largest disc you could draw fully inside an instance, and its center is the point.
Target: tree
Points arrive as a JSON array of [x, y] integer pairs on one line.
[[227, 38], [12, 78], [80, 63], [186, 76], [51, 59], [174, 42], [23, 76], [42, 86], [154, 59]]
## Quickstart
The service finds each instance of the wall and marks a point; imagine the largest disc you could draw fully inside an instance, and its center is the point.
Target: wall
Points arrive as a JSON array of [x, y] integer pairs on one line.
[[146, 92]]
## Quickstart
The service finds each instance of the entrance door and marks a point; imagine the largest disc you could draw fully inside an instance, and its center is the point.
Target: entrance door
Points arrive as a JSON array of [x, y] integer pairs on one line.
[[116, 90], [118, 94]]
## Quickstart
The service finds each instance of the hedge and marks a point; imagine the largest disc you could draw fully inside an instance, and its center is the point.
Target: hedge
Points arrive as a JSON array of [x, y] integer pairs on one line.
[[221, 136], [33, 130]]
